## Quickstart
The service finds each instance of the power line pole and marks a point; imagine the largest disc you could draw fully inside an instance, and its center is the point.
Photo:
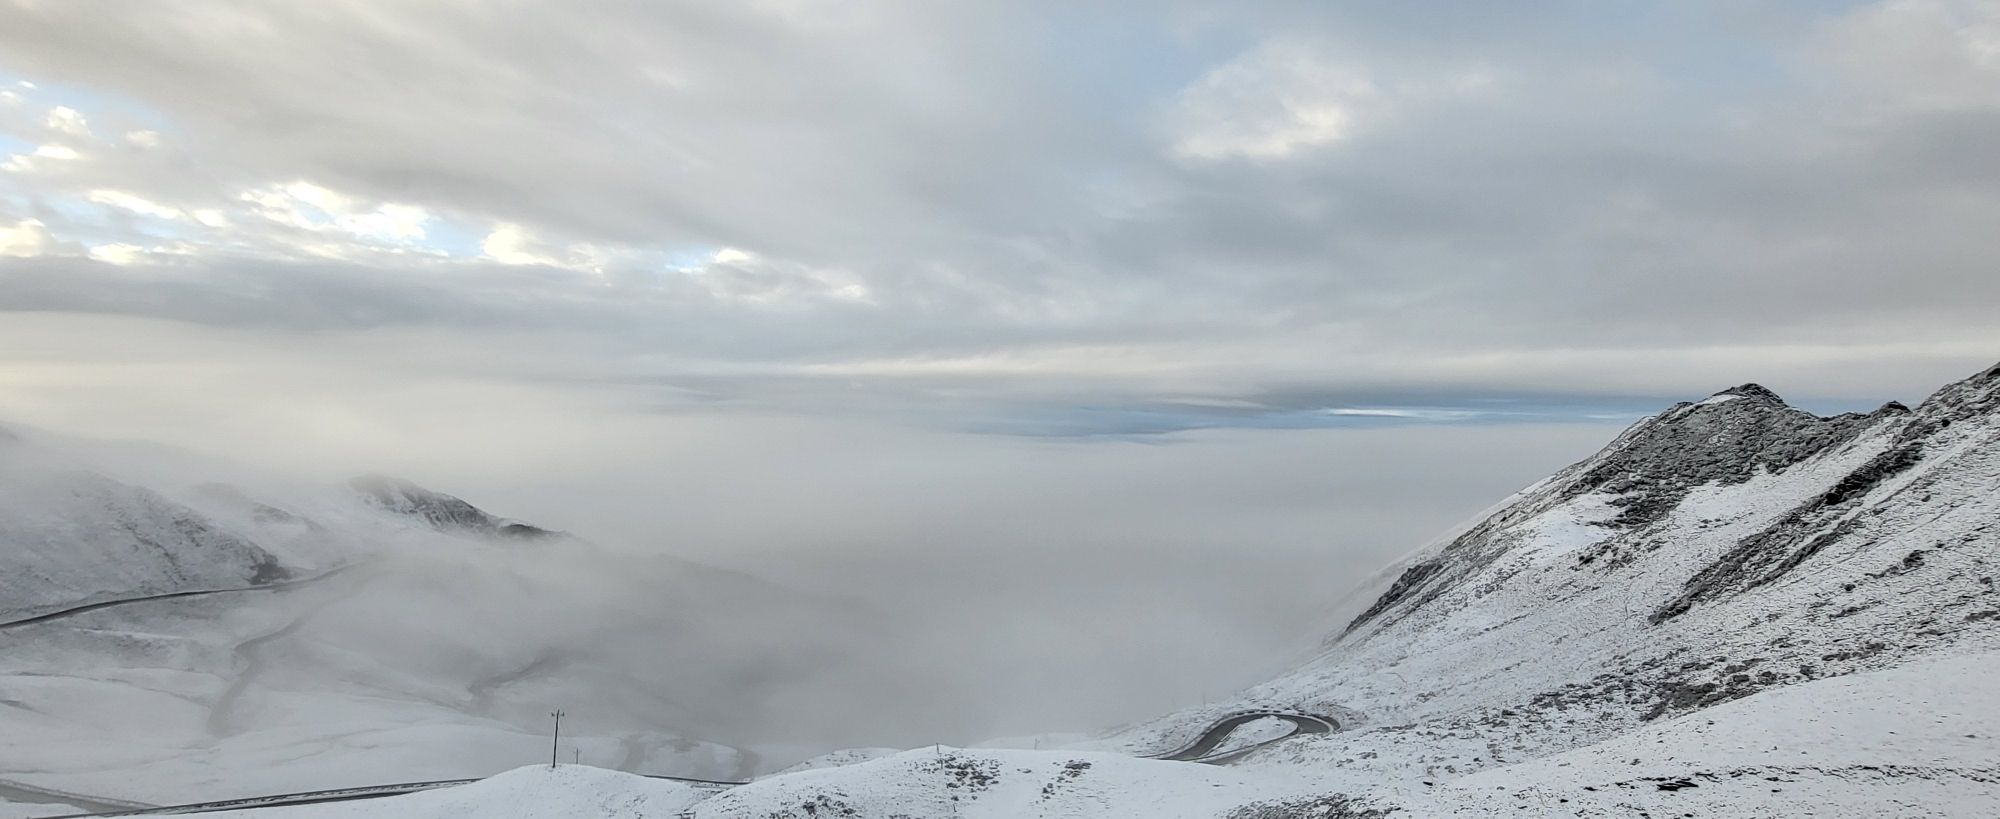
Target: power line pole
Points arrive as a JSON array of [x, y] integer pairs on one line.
[[558, 714]]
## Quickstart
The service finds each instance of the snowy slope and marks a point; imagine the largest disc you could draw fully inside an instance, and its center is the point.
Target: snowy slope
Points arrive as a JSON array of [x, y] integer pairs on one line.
[[70, 536], [1914, 740], [533, 792]]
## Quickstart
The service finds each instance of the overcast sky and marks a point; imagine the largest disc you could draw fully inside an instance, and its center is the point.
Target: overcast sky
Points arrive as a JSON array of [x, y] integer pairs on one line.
[[488, 243], [1033, 207]]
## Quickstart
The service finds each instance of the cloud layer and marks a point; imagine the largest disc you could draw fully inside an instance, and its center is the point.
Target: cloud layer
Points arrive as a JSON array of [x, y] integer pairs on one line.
[[1162, 199]]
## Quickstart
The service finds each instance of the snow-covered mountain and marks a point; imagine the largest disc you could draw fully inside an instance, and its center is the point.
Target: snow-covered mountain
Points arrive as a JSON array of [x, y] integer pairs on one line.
[[1737, 608]]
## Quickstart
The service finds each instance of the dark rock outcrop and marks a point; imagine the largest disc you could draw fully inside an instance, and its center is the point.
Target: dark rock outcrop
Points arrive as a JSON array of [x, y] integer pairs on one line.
[[1806, 530], [1717, 441]]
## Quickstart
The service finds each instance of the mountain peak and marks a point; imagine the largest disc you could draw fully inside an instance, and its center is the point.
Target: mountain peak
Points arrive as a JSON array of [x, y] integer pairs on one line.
[[1755, 392]]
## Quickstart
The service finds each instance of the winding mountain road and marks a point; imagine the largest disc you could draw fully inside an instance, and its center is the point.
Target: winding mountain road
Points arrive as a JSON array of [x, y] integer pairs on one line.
[[1203, 748]]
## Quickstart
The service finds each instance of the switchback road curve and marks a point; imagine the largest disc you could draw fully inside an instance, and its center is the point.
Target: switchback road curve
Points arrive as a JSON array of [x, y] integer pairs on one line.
[[1203, 748]]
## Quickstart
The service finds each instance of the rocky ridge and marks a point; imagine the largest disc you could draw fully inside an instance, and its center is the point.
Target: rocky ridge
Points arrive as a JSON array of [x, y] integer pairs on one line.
[[443, 512]]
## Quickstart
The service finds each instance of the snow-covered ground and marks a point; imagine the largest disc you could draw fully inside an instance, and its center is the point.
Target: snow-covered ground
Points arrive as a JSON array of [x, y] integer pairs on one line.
[[1915, 740], [532, 792], [1911, 741]]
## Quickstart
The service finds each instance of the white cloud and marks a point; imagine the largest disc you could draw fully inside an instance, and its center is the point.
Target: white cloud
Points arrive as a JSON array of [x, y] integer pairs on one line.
[[311, 207], [730, 255], [1274, 102], [66, 120], [118, 253], [143, 139], [316, 196], [28, 237], [134, 203], [125, 253], [512, 244], [23, 163], [1408, 413], [389, 222]]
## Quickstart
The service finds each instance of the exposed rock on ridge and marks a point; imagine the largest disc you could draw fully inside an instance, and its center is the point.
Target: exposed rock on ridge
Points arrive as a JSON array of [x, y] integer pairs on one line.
[[441, 511]]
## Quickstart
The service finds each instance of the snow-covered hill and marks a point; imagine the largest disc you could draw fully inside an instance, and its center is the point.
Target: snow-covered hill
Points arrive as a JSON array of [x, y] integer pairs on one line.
[[70, 536], [364, 633]]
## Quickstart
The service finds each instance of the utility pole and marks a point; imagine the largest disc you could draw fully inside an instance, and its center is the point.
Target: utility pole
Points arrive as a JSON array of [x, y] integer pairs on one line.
[[575, 755], [553, 743]]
